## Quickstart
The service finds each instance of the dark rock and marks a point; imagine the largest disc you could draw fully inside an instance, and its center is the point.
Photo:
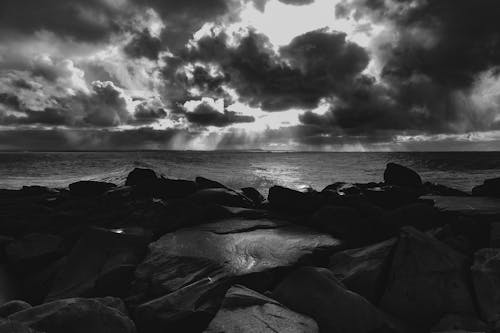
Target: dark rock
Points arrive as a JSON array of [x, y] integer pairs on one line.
[[78, 315], [221, 196], [495, 235], [12, 307], [316, 293], [419, 215], [9, 285], [204, 183], [285, 199], [426, 279], [399, 175], [342, 222], [490, 188], [33, 251], [254, 195], [455, 323], [364, 270], [38, 191], [481, 209], [438, 189], [391, 197], [174, 188], [9, 326], [342, 188], [486, 277], [180, 275], [244, 310], [98, 255], [89, 188], [141, 177], [36, 285]]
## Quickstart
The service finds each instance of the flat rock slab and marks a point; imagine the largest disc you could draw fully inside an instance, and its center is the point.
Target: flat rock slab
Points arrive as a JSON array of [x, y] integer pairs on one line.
[[487, 209], [245, 310], [228, 248]]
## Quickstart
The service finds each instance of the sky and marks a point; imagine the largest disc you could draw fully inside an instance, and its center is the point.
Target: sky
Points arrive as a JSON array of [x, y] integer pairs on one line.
[[312, 75]]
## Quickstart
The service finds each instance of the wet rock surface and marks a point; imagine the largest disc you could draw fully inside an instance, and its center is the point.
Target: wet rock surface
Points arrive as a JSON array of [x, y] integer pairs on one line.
[[244, 310], [158, 255]]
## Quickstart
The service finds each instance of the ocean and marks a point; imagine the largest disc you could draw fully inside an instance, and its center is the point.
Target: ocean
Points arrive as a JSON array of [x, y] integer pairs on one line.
[[461, 170]]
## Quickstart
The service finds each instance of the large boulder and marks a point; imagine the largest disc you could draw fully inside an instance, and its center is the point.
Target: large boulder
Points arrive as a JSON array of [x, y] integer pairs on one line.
[[77, 315], [33, 251], [316, 293], [142, 178], [174, 188], [343, 222], [12, 307], [89, 188], [364, 270], [426, 280], [101, 263], [204, 183], [486, 277], [244, 310], [221, 196], [420, 215], [490, 188], [391, 197], [396, 174], [456, 323], [254, 195], [288, 200], [185, 266], [9, 326]]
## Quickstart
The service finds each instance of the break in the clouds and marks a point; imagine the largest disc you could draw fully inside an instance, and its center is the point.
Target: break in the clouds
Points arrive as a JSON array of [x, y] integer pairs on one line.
[[214, 74]]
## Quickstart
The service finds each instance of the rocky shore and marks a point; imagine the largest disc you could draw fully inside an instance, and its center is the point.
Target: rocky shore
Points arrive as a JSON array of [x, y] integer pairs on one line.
[[167, 255]]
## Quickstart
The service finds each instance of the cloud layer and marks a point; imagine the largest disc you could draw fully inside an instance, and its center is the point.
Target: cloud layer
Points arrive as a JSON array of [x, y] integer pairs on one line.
[[163, 74]]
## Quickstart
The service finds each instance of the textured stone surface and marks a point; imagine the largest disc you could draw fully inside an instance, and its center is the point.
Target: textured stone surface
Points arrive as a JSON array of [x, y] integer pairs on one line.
[[244, 310]]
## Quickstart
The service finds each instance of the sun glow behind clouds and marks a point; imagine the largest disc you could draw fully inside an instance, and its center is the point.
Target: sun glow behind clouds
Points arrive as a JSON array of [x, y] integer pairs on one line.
[[282, 22]]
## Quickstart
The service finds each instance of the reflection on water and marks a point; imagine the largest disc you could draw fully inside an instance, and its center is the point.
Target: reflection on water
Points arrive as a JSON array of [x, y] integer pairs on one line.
[[239, 169]]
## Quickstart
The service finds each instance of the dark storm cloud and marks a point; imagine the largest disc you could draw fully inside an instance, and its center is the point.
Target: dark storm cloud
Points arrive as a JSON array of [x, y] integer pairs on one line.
[[148, 112], [92, 139], [88, 20], [205, 115], [105, 106], [12, 101], [144, 45], [313, 66]]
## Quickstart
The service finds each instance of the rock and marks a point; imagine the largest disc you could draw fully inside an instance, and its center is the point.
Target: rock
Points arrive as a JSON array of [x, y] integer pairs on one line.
[[342, 188], [453, 322], [495, 235], [486, 278], [391, 197], [180, 275], [288, 200], [220, 196], [174, 188], [419, 215], [244, 310], [490, 188], [204, 183], [89, 188], [438, 189], [364, 270], [12, 307], [141, 177], [426, 279], [98, 255], [9, 326], [77, 315], [254, 195], [9, 285], [399, 175], [315, 292], [481, 209], [343, 222], [33, 251]]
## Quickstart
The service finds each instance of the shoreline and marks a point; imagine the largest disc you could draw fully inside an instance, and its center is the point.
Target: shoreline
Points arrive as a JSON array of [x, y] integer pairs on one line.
[[158, 254]]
